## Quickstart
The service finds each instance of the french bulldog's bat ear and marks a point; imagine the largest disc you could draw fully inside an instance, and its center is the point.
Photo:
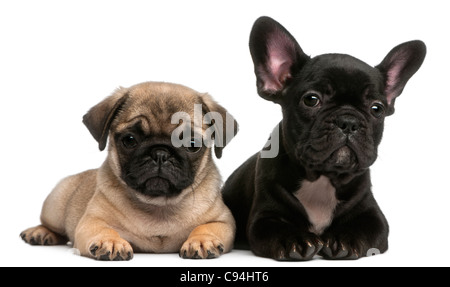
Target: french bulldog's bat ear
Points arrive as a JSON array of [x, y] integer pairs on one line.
[[399, 66], [276, 55], [225, 125], [99, 118]]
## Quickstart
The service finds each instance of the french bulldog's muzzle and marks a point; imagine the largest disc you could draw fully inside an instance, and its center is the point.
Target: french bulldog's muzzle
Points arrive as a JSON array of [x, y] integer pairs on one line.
[[339, 142]]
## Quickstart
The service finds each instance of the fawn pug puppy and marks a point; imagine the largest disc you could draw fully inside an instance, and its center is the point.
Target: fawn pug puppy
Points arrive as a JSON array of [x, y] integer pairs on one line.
[[149, 195]]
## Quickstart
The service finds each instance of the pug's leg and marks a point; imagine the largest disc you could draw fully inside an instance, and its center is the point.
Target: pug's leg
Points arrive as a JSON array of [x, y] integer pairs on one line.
[[95, 239], [41, 235], [54, 229], [208, 241]]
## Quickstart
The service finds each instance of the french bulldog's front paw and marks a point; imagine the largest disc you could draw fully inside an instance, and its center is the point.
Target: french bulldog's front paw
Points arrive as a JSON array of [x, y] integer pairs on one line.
[[299, 249], [111, 249], [202, 247], [339, 250]]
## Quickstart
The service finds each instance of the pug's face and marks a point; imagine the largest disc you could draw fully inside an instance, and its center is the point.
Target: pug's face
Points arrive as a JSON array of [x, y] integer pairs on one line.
[[149, 162], [151, 165], [141, 129]]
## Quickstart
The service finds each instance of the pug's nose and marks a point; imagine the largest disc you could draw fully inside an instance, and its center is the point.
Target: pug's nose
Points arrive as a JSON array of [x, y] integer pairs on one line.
[[348, 124], [160, 155]]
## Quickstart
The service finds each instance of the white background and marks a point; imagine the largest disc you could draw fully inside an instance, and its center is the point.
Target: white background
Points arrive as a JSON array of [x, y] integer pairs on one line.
[[59, 58]]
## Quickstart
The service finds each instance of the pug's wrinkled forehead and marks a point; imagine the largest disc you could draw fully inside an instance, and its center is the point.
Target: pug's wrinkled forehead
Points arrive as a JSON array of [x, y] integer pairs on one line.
[[152, 106]]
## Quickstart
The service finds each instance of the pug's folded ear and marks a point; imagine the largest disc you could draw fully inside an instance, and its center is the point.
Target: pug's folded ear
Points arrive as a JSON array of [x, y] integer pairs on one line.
[[99, 118], [224, 124]]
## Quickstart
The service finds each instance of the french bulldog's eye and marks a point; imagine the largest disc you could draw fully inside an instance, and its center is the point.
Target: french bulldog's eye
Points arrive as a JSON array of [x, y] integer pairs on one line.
[[311, 100], [129, 141], [194, 146], [377, 110]]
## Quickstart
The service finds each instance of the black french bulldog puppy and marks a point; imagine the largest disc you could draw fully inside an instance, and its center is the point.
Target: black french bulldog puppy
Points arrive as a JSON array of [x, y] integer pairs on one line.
[[314, 196]]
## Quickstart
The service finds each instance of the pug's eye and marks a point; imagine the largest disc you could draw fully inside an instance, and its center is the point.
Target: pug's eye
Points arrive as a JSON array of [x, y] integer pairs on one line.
[[377, 110], [311, 100], [129, 142], [194, 146]]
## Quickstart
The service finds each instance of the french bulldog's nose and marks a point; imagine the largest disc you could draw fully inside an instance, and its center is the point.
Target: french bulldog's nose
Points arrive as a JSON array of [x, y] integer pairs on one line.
[[348, 124], [160, 155]]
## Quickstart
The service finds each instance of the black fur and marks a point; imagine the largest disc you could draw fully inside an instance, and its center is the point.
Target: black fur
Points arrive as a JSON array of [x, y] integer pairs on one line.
[[152, 165], [334, 107]]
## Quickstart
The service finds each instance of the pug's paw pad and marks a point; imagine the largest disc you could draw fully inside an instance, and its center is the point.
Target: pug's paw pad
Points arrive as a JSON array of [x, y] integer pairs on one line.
[[41, 235], [111, 249], [202, 247]]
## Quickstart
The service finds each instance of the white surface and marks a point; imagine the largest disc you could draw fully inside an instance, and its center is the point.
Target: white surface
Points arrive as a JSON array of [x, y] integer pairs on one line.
[[59, 58]]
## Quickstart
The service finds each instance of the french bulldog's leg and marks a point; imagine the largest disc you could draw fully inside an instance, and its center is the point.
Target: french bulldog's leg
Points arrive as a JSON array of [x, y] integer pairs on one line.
[[41, 235], [365, 233], [97, 240], [208, 241], [283, 241]]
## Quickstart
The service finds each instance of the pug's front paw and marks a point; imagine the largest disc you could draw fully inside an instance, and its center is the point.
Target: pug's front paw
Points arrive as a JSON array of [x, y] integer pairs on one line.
[[202, 247], [111, 249]]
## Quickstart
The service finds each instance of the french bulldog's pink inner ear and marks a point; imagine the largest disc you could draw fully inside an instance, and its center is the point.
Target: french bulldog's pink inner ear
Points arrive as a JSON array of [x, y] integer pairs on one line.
[[392, 83], [274, 77], [399, 66], [281, 54]]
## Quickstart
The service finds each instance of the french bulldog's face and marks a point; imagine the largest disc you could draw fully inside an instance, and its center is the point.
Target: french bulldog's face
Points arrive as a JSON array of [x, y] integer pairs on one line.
[[333, 115], [333, 105]]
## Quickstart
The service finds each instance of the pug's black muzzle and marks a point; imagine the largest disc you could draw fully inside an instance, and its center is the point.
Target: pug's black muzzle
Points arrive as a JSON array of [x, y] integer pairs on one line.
[[158, 170]]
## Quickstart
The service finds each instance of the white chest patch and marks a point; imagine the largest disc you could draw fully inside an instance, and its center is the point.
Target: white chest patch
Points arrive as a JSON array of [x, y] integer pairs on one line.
[[319, 200]]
